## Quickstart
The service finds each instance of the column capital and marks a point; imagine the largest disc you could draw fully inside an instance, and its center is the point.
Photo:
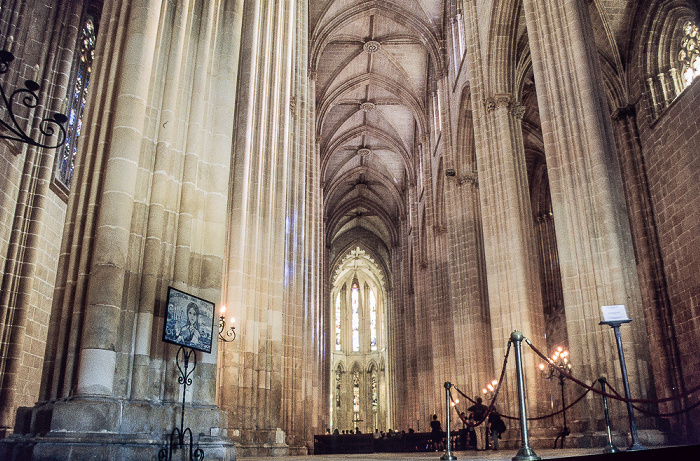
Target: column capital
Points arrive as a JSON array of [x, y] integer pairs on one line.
[[518, 110], [498, 101], [623, 112]]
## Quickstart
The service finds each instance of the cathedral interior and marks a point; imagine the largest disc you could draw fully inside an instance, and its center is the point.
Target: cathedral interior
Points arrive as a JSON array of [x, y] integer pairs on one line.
[[375, 194]]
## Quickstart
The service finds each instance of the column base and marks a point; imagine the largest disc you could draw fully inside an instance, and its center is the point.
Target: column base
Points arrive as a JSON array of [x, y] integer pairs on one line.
[[77, 430], [262, 442], [545, 437]]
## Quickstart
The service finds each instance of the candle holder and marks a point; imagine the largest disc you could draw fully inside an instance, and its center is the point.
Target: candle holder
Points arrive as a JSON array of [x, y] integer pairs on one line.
[[226, 334], [558, 361]]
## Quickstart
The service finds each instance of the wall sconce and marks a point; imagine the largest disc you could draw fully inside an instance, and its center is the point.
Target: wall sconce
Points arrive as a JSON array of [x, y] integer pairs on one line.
[[230, 333]]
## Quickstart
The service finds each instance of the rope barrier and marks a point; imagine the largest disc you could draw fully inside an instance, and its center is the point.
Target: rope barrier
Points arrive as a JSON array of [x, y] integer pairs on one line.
[[615, 394], [535, 418], [495, 394], [654, 413], [599, 392]]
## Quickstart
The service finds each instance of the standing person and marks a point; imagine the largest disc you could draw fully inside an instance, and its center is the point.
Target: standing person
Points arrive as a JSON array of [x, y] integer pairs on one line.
[[436, 434], [496, 426], [478, 412]]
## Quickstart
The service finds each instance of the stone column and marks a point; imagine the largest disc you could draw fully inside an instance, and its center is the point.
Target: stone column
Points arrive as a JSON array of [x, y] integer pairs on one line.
[[592, 227], [515, 297], [470, 314], [510, 255]]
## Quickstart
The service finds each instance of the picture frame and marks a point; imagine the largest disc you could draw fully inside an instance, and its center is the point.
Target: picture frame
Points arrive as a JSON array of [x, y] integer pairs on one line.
[[189, 320]]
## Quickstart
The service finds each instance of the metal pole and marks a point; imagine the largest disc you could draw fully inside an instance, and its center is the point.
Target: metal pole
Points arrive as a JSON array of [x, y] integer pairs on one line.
[[630, 411], [448, 453], [525, 453], [611, 448], [565, 431]]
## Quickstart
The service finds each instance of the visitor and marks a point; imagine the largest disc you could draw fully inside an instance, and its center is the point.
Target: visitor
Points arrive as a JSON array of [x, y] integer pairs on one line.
[[496, 426], [436, 434], [478, 412]]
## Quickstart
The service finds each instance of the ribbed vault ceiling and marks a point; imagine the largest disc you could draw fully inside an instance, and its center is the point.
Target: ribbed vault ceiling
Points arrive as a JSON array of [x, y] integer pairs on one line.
[[372, 61]]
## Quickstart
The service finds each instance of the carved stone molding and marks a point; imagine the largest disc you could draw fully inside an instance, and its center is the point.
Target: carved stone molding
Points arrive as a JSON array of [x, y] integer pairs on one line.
[[489, 104], [470, 178], [503, 100], [371, 46], [518, 110], [367, 106], [364, 152]]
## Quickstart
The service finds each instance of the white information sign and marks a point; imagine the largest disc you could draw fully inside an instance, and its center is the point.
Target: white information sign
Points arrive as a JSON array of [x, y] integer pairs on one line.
[[616, 313]]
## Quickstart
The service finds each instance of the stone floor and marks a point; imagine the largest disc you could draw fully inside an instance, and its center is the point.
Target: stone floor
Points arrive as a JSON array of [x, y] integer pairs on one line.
[[502, 455]]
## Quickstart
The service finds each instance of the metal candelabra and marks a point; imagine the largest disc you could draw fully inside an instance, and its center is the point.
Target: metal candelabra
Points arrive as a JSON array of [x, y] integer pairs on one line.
[[558, 361]]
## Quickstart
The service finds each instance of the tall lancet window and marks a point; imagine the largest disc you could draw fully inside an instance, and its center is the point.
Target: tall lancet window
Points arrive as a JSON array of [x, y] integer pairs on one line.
[[372, 321], [689, 54], [375, 393], [356, 394], [337, 388], [76, 98], [337, 322], [355, 294]]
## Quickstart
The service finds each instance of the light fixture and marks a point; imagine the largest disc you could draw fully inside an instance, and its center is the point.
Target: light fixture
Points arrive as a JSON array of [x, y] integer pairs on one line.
[[557, 365], [230, 333]]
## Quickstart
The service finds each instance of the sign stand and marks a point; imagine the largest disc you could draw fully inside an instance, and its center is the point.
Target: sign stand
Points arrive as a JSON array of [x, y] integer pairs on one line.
[[615, 316]]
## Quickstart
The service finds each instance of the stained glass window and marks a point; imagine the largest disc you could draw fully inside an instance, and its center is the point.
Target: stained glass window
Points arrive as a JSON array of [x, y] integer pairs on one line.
[[355, 318], [375, 398], [76, 100], [337, 388], [356, 392], [689, 54], [372, 321], [337, 322]]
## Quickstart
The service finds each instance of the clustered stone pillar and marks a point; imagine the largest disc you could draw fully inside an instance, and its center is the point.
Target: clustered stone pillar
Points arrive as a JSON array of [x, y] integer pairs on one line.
[[262, 380], [592, 227], [148, 211], [509, 239]]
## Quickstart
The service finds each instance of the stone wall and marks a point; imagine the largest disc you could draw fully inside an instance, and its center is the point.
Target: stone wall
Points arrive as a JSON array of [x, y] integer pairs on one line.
[[670, 147]]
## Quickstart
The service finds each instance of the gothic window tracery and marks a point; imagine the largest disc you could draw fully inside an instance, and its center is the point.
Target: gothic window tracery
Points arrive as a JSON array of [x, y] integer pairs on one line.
[[689, 54], [356, 394], [76, 102], [337, 322], [355, 317], [375, 394], [372, 320]]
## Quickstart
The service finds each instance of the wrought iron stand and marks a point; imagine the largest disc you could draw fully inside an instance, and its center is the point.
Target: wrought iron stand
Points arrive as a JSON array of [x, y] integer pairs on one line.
[[177, 436]]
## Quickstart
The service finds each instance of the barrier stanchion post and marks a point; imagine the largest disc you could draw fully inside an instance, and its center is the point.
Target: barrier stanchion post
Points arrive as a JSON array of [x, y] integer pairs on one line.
[[448, 453], [525, 453], [630, 411], [611, 448]]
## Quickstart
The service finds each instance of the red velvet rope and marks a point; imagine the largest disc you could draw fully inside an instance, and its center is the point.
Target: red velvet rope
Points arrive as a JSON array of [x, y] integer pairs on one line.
[[654, 413], [493, 399], [615, 395], [599, 392]]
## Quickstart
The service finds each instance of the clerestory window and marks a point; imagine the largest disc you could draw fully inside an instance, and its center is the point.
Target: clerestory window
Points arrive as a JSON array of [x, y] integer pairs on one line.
[[689, 54], [76, 98]]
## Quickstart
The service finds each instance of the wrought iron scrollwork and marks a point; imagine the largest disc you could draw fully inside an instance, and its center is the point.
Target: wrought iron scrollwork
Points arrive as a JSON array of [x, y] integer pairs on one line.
[[29, 98]]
